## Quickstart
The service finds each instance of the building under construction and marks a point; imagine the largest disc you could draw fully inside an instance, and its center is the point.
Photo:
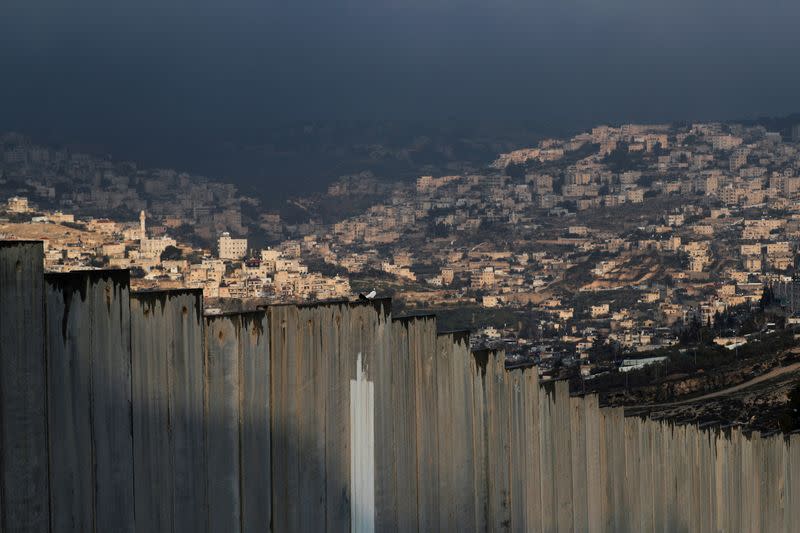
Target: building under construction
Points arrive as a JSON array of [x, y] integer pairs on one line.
[[126, 411]]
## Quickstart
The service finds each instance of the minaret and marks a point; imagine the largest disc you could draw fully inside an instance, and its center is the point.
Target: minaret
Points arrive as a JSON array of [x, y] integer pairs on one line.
[[142, 230]]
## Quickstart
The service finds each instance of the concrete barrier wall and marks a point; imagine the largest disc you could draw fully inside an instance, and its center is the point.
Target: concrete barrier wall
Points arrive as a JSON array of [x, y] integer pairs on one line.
[[331, 388], [169, 388], [238, 434], [123, 412], [24, 484], [88, 347]]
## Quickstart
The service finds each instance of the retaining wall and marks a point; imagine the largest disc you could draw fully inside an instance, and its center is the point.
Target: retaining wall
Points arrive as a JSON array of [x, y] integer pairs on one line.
[[123, 412]]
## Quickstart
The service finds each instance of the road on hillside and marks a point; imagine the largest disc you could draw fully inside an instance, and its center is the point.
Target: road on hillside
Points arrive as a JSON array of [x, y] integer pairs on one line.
[[772, 374]]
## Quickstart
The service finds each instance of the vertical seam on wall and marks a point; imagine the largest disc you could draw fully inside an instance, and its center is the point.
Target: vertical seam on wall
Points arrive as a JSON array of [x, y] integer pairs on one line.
[[129, 362], [324, 391], [242, 419], [268, 316], [92, 447], [271, 343], [46, 356], [169, 322], [206, 502], [3, 525]]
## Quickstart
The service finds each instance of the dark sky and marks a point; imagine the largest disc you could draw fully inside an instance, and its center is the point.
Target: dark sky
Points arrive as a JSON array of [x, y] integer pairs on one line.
[[94, 68]]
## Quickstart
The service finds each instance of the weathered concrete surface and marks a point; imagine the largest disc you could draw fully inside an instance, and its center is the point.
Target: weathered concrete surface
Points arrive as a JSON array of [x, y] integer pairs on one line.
[[427, 428], [498, 446], [318, 351], [70, 397], [89, 392], [24, 486], [328, 418], [405, 338], [222, 423], [460, 451], [547, 458], [254, 429], [168, 378], [237, 422], [201, 416]]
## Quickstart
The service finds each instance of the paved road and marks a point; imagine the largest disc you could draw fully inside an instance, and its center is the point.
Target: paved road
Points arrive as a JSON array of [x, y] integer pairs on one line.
[[772, 374]]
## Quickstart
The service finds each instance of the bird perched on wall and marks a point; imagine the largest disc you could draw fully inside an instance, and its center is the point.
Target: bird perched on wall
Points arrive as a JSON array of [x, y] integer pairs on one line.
[[369, 296]]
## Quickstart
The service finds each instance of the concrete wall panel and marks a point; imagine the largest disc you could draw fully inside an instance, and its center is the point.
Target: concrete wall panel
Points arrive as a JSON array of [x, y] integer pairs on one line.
[[479, 369], [111, 401], [427, 434], [446, 438], [310, 397], [254, 432], [604, 494], [647, 484], [337, 418], [518, 470], [659, 472], [69, 354], [532, 502], [563, 457], [593, 443], [168, 376], [617, 459], [24, 490], [456, 453], [187, 414], [547, 458], [223, 410], [404, 400], [284, 451], [362, 460], [673, 454], [151, 335], [94, 347], [577, 435], [499, 442]]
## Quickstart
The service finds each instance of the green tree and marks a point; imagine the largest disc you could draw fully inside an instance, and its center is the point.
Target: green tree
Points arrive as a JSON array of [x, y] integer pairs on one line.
[[767, 298], [790, 420], [171, 253], [195, 258], [99, 261], [515, 170]]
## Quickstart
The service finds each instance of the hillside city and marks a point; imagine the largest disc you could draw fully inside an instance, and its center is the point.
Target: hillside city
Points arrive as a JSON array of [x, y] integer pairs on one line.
[[610, 245]]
